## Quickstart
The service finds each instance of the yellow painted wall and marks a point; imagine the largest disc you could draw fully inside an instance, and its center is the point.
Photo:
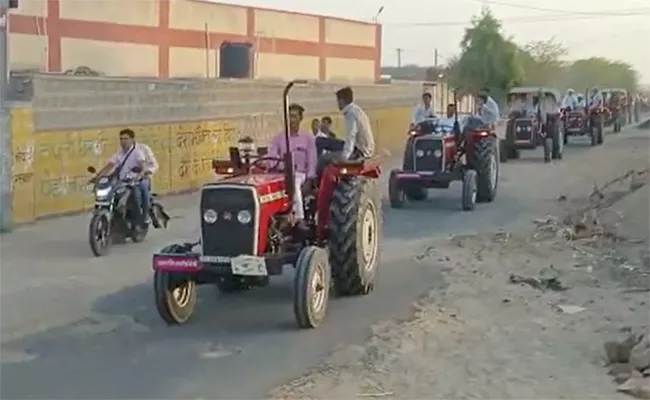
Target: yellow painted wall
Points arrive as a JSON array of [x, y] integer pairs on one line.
[[286, 66], [120, 59], [127, 12], [191, 62], [37, 8], [49, 168], [193, 15], [27, 51], [286, 25], [350, 33], [347, 68]]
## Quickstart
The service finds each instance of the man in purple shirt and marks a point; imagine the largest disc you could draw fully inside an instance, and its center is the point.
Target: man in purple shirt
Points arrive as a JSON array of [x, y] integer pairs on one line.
[[303, 148]]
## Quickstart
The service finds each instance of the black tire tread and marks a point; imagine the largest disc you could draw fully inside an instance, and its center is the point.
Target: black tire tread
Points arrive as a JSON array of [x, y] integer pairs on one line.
[[483, 151], [345, 209], [301, 281]]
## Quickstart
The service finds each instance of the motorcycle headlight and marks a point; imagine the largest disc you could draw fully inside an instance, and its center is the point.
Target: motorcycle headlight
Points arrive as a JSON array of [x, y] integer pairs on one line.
[[102, 193], [210, 216], [244, 217], [419, 153]]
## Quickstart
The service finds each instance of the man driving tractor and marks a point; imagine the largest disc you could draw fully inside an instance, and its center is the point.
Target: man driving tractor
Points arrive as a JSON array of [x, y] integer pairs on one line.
[[424, 110], [596, 98], [303, 148], [570, 100]]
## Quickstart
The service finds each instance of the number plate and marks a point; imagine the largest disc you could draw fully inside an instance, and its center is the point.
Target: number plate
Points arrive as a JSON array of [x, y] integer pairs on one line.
[[249, 266]]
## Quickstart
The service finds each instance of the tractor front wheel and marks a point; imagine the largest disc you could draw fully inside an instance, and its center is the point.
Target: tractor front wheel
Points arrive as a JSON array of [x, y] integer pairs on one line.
[[311, 286]]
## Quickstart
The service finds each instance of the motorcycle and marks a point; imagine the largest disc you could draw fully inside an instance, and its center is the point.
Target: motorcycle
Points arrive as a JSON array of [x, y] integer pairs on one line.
[[114, 217]]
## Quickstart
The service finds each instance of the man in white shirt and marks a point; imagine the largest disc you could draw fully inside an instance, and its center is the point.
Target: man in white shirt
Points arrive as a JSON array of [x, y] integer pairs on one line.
[[596, 98], [424, 110], [130, 155], [489, 110], [570, 100], [359, 140]]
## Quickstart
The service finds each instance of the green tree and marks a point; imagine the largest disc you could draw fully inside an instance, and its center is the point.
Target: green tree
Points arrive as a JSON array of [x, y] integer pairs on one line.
[[597, 71], [542, 62], [487, 59]]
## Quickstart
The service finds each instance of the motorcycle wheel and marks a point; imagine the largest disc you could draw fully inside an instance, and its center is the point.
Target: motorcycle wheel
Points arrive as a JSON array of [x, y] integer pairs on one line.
[[99, 234]]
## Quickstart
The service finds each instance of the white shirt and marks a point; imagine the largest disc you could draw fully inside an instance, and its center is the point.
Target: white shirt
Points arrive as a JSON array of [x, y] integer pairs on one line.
[[596, 100], [421, 113], [322, 134], [570, 100], [358, 132], [489, 113]]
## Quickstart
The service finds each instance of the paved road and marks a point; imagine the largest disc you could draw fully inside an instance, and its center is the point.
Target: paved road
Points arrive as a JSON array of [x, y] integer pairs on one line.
[[74, 326]]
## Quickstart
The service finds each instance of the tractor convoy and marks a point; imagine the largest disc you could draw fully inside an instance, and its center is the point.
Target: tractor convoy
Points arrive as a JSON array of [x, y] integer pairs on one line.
[[248, 230]]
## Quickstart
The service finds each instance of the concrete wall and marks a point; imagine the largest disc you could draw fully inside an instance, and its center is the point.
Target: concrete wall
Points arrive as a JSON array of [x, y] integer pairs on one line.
[[72, 122], [178, 38]]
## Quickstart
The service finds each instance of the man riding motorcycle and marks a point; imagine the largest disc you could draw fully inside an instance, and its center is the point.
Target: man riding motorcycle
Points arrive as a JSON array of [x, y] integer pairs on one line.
[[131, 155], [303, 147], [570, 101]]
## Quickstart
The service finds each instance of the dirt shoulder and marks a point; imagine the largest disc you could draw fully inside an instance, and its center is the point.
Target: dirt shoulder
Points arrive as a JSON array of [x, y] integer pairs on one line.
[[524, 314]]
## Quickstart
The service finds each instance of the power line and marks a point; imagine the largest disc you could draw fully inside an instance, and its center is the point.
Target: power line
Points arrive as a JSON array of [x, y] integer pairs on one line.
[[527, 7], [526, 19]]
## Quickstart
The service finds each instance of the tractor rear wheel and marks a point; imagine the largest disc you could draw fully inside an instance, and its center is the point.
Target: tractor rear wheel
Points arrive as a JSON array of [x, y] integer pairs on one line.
[[487, 170], [354, 235]]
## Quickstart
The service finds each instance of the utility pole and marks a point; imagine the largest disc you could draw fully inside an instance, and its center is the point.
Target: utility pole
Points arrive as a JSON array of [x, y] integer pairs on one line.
[[435, 58], [6, 159], [399, 57]]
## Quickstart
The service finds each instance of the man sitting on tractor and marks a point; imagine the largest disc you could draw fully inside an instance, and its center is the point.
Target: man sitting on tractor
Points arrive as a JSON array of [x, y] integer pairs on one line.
[[596, 98], [359, 140], [303, 148], [450, 118], [581, 100], [489, 109], [570, 101], [424, 110]]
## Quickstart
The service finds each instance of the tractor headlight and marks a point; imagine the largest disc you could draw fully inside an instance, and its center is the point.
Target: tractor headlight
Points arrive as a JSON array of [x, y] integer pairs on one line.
[[244, 217], [437, 153], [210, 216], [519, 129], [419, 153]]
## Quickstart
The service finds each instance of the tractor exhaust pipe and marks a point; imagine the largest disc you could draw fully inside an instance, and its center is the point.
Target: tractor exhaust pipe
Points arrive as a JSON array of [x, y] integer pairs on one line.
[[289, 173]]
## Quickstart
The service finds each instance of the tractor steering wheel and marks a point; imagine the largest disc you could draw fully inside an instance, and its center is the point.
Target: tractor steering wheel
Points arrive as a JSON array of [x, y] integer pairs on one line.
[[260, 163]]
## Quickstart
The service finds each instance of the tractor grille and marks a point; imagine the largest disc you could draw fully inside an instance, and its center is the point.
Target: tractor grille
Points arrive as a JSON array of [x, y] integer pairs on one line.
[[574, 122], [524, 131], [227, 237], [425, 154]]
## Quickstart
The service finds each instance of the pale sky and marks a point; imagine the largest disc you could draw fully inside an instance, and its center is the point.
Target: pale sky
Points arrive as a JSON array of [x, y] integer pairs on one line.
[[587, 27]]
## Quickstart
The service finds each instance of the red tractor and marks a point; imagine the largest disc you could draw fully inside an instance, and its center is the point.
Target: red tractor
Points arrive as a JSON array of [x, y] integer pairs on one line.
[[438, 153], [586, 120], [534, 121], [248, 233]]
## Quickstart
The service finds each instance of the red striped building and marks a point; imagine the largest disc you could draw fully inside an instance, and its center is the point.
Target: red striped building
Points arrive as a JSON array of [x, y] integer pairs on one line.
[[181, 38]]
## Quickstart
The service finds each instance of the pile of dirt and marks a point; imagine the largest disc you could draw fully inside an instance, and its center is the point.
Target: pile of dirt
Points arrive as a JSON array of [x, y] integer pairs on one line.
[[629, 363], [524, 315]]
